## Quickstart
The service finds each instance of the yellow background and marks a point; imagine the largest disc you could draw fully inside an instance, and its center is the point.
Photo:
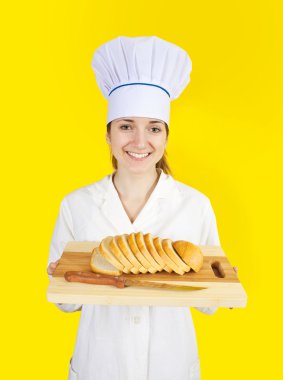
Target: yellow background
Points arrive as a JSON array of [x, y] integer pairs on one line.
[[225, 140]]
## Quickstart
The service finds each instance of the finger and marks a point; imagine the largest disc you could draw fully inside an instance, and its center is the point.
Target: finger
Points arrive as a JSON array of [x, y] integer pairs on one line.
[[51, 268]]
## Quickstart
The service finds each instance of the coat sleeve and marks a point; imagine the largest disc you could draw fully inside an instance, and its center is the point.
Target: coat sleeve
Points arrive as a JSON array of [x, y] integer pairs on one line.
[[209, 237], [63, 232]]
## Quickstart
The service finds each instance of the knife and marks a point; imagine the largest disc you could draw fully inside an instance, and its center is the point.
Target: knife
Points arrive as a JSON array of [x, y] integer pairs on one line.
[[121, 282]]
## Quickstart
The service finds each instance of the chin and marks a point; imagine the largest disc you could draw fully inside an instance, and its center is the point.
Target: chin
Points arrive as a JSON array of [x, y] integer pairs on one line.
[[138, 168]]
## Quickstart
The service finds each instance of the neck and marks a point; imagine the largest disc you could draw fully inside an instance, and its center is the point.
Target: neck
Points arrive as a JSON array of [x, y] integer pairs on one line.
[[135, 186]]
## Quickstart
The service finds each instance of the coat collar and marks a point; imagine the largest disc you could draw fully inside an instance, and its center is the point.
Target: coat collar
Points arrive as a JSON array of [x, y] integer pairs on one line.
[[165, 190]]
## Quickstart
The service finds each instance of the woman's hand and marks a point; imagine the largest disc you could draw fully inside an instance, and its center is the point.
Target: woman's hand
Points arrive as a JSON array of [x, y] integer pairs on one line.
[[51, 267], [236, 270]]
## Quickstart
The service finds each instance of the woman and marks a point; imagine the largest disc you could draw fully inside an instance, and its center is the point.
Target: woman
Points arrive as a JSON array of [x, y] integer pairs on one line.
[[136, 342]]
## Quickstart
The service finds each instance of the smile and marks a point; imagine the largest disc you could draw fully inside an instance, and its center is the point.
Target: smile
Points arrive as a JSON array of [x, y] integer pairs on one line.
[[137, 155]]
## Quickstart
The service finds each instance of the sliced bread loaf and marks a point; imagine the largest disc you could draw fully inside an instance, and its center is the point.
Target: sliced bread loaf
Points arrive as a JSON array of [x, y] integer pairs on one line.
[[135, 249], [104, 249], [148, 239], [125, 248], [113, 245], [143, 249], [168, 248], [157, 241]]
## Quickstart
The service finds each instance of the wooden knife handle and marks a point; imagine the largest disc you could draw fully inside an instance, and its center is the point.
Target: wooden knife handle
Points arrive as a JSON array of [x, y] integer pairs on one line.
[[94, 278]]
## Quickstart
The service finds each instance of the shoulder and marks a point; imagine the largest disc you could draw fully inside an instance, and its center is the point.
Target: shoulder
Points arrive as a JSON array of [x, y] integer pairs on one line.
[[92, 191], [192, 194]]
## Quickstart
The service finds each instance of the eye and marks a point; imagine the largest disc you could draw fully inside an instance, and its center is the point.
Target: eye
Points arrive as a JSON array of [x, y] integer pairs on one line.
[[126, 127], [156, 129]]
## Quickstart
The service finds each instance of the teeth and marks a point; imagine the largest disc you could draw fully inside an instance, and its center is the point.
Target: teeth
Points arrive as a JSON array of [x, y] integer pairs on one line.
[[138, 155]]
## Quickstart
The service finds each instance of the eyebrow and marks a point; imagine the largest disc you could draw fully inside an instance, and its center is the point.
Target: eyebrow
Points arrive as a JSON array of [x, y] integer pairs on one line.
[[151, 122]]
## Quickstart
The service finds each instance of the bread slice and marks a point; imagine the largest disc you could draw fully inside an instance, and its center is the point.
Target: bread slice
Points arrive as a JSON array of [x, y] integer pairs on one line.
[[142, 247], [168, 248], [120, 257], [190, 253], [157, 241], [135, 249], [124, 246], [148, 239], [106, 252], [100, 265]]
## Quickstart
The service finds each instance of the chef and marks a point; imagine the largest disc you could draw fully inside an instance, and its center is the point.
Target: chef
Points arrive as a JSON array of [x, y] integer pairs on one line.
[[139, 76]]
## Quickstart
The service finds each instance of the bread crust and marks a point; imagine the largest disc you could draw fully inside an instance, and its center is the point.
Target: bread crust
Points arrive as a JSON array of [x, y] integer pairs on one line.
[[124, 246], [169, 249], [157, 241], [120, 256], [96, 269], [135, 249], [148, 239], [143, 249], [190, 253], [107, 254]]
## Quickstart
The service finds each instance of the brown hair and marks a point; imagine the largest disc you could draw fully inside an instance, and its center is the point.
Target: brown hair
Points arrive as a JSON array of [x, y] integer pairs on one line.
[[162, 163]]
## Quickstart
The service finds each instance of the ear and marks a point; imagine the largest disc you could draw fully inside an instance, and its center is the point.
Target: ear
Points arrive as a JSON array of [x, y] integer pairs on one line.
[[108, 139]]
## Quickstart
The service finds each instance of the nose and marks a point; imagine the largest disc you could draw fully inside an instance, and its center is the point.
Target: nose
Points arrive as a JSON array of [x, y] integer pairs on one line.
[[140, 139]]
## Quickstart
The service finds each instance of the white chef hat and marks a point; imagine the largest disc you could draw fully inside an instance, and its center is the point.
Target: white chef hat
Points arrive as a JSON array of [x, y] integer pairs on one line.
[[139, 76]]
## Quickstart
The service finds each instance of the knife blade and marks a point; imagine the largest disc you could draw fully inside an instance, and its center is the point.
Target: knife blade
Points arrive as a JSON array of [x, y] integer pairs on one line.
[[122, 282]]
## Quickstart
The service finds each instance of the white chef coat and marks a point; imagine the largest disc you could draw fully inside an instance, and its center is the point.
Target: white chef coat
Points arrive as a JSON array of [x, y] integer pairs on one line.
[[134, 342]]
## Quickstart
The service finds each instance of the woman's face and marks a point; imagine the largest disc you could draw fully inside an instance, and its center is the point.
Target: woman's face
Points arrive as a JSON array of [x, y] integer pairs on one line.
[[137, 143]]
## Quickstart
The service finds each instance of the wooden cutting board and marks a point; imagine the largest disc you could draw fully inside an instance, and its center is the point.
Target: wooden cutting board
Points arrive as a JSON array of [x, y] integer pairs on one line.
[[217, 274]]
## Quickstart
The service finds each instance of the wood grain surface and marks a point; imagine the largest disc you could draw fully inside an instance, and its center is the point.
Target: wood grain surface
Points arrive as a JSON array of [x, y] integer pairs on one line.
[[215, 268], [217, 274]]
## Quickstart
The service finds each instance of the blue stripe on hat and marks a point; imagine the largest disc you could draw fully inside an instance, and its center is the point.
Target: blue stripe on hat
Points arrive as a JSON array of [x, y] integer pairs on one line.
[[146, 84]]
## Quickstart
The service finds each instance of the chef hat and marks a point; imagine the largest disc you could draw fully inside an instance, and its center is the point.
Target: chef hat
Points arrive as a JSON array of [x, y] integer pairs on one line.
[[139, 76]]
